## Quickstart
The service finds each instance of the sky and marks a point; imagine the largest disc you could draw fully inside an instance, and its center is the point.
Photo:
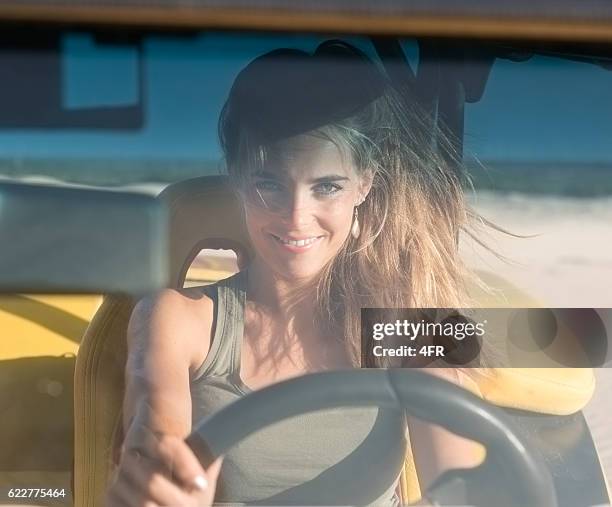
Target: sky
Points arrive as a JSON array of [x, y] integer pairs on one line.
[[545, 109]]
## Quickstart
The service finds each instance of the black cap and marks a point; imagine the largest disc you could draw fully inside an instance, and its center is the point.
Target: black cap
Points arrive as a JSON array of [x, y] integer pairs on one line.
[[287, 92]]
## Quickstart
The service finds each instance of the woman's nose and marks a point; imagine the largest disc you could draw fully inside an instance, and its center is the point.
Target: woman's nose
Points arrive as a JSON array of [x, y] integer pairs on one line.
[[298, 209]]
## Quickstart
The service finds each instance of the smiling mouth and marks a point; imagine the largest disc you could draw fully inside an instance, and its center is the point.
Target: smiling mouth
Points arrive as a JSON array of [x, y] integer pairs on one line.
[[296, 243]]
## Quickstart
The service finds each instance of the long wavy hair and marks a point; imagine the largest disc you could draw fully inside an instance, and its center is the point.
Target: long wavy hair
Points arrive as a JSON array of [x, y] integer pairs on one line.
[[406, 255]]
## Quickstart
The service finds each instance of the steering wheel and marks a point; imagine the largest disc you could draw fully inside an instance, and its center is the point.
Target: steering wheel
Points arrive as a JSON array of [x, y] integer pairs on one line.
[[510, 475]]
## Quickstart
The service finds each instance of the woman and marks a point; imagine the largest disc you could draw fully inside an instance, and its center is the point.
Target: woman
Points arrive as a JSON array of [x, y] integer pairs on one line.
[[348, 205]]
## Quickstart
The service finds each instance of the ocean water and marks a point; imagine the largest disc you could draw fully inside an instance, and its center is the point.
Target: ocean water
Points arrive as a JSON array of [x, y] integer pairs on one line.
[[542, 178], [108, 172]]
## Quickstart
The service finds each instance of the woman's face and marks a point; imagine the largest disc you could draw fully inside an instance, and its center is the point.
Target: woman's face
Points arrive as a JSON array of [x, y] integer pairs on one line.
[[299, 209]]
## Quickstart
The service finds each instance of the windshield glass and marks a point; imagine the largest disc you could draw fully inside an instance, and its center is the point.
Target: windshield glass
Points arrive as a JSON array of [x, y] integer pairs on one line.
[[514, 139]]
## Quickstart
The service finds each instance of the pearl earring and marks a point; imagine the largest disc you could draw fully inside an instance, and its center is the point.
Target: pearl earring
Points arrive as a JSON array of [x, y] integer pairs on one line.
[[355, 229]]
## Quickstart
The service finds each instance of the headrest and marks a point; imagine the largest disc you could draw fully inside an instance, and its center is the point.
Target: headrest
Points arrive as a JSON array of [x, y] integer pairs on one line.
[[204, 213]]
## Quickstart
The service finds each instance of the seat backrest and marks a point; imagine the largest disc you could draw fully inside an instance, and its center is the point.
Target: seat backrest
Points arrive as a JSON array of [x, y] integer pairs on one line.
[[203, 213]]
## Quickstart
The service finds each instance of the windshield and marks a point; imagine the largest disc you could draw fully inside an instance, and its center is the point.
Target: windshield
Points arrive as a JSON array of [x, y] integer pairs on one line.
[[525, 129]]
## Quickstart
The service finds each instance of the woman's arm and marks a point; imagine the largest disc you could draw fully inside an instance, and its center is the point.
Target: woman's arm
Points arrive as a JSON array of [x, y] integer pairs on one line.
[[435, 449], [163, 347], [167, 333]]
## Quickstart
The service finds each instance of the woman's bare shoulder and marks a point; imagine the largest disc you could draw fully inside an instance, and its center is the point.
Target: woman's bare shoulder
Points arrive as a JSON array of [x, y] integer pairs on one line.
[[174, 322]]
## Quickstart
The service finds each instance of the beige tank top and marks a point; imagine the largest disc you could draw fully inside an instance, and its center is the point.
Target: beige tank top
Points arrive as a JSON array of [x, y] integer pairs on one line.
[[344, 456]]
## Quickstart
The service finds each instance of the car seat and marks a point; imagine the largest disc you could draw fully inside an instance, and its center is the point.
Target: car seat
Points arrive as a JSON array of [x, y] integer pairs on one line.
[[205, 213]]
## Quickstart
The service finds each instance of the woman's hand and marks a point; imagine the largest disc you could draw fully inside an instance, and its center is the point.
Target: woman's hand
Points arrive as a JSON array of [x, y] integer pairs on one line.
[[156, 467], [161, 470]]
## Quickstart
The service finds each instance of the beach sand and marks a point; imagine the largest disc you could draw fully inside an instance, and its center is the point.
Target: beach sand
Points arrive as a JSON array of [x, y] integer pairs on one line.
[[566, 261]]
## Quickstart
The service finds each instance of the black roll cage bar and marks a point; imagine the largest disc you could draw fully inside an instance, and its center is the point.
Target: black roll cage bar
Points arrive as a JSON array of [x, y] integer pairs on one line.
[[453, 73]]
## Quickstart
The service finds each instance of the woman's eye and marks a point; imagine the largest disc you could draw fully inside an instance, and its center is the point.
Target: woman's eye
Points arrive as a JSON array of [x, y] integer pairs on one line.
[[327, 188]]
